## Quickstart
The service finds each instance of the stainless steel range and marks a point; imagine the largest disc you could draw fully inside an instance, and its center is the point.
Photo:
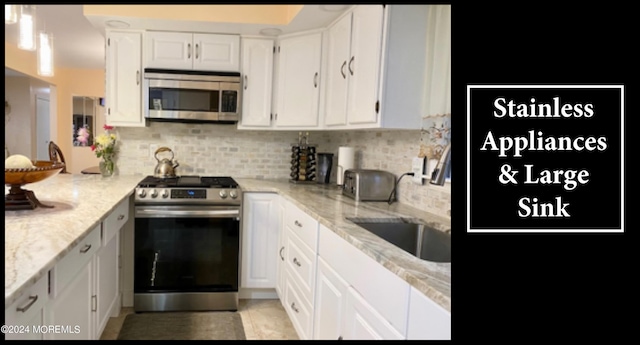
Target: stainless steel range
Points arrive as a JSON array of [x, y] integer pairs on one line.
[[187, 244]]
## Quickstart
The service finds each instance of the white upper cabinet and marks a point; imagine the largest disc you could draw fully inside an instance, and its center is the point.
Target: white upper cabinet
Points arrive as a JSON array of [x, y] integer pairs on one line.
[[257, 78], [298, 80], [124, 79], [353, 67], [189, 51]]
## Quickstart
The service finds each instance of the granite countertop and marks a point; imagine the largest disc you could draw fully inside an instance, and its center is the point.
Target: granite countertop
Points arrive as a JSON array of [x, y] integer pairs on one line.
[[35, 240], [327, 204]]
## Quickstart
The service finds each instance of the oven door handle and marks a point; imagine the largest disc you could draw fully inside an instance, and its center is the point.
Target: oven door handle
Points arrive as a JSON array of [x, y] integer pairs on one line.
[[164, 212]]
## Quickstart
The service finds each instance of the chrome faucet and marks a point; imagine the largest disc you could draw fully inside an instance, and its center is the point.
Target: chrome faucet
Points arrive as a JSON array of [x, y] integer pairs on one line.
[[438, 175]]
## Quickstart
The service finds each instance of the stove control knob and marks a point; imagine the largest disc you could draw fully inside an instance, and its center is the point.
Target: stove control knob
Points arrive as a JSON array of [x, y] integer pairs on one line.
[[154, 193], [165, 193], [233, 194], [223, 194], [142, 193]]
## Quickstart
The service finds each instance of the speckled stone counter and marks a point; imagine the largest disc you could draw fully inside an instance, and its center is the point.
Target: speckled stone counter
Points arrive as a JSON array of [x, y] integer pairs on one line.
[[327, 204], [34, 240]]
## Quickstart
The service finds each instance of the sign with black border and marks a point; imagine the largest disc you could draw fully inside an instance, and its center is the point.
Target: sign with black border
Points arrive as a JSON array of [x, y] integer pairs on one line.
[[545, 158]]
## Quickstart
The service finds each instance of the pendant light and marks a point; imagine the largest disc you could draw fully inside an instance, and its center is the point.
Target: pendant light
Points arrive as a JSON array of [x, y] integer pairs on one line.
[[45, 54], [27, 39], [10, 14]]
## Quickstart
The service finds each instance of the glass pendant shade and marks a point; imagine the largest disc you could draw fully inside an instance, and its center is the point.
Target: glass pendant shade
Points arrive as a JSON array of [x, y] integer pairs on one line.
[[10, 14], [45, 54], [27, 39]]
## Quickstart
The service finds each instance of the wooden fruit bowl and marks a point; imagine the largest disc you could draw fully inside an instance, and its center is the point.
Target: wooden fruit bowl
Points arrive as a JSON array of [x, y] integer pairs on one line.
[[19, 198]]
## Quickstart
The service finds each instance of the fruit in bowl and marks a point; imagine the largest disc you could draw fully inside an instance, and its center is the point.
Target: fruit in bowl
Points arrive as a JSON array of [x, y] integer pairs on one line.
[[18, 162]]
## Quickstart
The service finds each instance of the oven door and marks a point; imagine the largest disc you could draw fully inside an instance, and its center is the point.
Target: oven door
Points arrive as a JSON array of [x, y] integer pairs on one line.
[[186, 249]]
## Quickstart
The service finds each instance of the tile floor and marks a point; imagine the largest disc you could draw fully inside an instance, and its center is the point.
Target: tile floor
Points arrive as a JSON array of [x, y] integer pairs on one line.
[[262, 319]]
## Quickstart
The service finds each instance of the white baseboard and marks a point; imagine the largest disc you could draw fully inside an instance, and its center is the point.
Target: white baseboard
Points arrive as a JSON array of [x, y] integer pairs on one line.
[[246, 293]]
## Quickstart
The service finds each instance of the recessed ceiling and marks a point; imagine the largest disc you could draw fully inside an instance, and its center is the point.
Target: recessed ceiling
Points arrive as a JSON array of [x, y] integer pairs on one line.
[[79, 40]]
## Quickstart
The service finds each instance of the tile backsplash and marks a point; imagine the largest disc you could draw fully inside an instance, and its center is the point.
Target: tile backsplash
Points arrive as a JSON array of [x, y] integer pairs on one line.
[[223, 150]]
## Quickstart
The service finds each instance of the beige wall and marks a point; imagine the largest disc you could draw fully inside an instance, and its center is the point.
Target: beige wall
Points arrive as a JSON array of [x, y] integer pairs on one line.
[[258, 14], [19, 121], [68, 82]]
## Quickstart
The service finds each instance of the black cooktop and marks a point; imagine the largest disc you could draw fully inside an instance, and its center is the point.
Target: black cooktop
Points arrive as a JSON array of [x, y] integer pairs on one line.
[[188, 182]]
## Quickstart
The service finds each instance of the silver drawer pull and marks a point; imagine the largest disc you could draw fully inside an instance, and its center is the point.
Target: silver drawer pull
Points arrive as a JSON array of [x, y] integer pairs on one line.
[[26, 307], [281, 257], [295, 261], [293, 306], [85, 248], [297, 223], [121, 217]]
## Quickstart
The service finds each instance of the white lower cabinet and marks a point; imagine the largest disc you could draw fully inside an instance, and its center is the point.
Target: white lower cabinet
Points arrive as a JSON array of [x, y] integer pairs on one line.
[[371, 301], [298, 271], [328, 314], [75, 300], [363, 322], [107, 284], [73, 308], [427, 320], [27, 312], [260, 238]]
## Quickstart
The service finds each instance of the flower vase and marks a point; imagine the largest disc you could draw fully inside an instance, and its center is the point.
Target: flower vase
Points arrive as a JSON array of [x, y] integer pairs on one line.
[[107, 167]]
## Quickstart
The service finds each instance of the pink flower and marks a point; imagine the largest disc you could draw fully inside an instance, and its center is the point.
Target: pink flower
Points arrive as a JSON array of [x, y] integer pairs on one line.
[[107, 128], [83, 136]]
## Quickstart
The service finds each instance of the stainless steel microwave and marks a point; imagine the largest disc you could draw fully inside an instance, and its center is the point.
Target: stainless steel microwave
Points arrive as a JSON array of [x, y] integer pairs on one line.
[[192, 96]]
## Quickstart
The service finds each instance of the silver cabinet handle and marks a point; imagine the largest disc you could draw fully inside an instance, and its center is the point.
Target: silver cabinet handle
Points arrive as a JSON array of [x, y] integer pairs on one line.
[[94, 303], [197, 50], [315, 80], [344, 76], [297, 223], [295, 261], [281, 257], [245, 81], [85, 248], [33, 300], [121, 217], [189, 51], [137, 77], [350, 62], [293, 306]]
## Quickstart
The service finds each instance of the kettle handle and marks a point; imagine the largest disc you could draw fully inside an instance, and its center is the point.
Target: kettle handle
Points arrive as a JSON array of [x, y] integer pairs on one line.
[[163, 149]]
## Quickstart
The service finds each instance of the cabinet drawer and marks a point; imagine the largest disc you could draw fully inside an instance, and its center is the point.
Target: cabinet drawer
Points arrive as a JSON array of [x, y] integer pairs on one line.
[[116, 219], [302, 225], [24, 311], [301, 263], [299, 310], [67, 268]]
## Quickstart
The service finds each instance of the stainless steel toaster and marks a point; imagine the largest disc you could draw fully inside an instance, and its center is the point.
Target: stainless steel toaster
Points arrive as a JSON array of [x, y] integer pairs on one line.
[[368, 185]]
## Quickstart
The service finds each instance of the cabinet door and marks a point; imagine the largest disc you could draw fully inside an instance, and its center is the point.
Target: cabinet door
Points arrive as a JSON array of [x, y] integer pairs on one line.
[[173, 50], [216, 52], [363, 322], [339, 44], [257, 79], [330, 303], [107, 282], [364, 64], [73, 307], [299, 81], [260, 229], [281, 275], [124, 79]]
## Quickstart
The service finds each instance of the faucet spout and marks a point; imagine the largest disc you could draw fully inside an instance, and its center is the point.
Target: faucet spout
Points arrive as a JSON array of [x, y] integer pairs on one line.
[[438, 175]]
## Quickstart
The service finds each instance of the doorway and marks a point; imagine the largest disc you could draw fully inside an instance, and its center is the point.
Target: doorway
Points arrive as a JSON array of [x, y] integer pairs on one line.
[[43, 128]]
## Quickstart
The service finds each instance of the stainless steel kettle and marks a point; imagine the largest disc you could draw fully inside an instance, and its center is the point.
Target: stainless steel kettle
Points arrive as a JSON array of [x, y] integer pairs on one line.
[[165, 167]]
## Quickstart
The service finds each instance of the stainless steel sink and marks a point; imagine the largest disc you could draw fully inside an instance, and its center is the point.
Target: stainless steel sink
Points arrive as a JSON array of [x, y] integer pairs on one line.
[[418, 239]]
